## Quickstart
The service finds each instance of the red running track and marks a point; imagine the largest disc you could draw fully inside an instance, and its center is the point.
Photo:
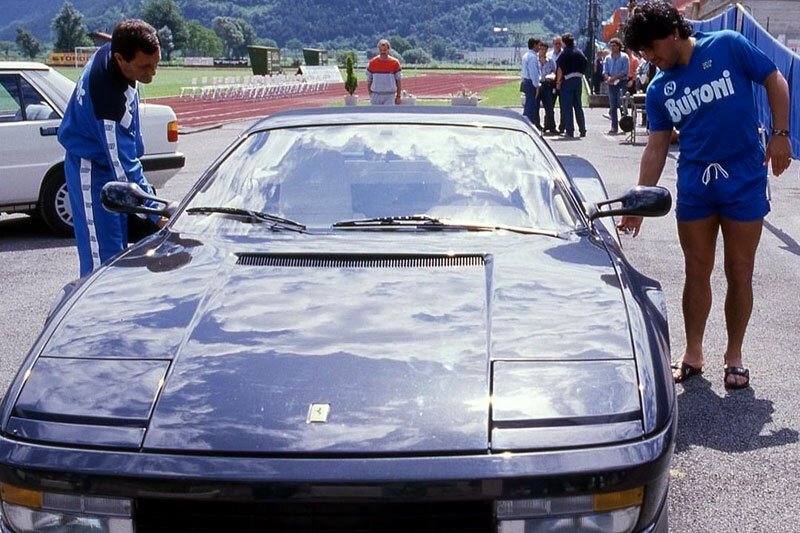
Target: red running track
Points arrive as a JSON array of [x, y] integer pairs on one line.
[[196, 113]]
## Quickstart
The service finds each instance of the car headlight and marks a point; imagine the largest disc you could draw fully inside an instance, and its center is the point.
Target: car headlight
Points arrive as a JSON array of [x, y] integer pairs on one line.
[[611, 512], [34, 511]]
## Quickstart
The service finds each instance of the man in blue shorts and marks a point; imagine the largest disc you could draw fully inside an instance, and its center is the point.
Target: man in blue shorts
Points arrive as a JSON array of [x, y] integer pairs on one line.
[[704, 89]]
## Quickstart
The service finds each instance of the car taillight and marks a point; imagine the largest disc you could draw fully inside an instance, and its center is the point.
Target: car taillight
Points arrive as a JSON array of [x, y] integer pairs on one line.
[[172, 131]]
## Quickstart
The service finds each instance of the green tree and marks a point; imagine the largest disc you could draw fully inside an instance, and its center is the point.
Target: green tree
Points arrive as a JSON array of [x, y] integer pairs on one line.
[[202, 41], [165, 40], [160, 13], [341, 57], [235, 33], [5, 47], [416, 56], [439, 49], [350, 80], [266, 41], [69, 29], [294, 44], [27, 43], [399, 44]]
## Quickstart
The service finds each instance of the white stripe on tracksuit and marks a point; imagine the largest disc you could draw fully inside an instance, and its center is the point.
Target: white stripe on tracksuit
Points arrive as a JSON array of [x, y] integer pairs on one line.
[[86, 192]]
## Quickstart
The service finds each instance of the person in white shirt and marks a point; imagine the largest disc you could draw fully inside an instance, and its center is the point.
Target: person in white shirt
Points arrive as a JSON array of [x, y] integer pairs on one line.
[[530, 80]]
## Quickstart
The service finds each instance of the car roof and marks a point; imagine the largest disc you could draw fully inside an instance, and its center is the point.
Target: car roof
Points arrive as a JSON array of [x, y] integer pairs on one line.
[[22, 65], [467, 116]]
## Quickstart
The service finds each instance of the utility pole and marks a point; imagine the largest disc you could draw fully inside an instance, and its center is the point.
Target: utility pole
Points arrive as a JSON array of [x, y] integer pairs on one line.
[[592, 28]]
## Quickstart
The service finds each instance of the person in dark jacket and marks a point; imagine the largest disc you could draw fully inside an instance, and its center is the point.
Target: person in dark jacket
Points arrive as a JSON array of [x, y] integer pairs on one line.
[[569, 81]]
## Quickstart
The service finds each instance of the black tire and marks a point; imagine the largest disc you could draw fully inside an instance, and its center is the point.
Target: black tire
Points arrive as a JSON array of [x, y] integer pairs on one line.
[[54, 208]]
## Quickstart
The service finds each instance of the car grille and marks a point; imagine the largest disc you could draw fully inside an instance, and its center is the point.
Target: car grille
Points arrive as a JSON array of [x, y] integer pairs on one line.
[[322, 260], [235, 517]]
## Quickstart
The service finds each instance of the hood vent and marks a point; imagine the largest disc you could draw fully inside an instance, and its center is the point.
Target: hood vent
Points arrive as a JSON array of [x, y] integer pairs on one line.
[[362, 260]]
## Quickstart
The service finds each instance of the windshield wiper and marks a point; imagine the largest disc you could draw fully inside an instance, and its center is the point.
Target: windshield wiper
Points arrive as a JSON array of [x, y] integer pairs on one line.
[[432, 223], [256, 216], [405, 220]]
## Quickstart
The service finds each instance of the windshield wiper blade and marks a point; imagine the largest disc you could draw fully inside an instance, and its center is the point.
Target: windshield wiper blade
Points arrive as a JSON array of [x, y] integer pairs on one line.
[[427, 222], [258, 216], [404, 220]]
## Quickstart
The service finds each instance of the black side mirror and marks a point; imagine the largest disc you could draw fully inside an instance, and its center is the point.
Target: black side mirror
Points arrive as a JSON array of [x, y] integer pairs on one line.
[[639, 201], [127, 197]]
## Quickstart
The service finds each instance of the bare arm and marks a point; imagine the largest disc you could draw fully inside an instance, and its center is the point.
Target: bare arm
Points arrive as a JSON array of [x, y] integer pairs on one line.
[[779, 148], [650, 168], [654, 157], [399, 92]]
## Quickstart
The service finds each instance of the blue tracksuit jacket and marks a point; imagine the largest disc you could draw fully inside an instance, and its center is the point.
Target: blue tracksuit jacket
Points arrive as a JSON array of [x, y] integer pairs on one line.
[[100, 132]]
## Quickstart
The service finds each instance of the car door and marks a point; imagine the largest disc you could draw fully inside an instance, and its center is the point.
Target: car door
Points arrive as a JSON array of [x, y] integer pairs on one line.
[[28, 143]]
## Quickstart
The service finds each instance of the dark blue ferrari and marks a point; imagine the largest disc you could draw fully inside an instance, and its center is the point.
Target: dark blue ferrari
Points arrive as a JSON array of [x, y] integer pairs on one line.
[[407, 319]]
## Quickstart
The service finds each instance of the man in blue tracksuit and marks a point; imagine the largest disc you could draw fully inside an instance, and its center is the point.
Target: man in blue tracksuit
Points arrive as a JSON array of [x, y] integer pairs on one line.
[[100, 132]]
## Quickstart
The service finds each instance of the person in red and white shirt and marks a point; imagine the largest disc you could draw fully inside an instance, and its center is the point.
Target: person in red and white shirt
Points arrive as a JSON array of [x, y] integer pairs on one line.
[[383, 77]]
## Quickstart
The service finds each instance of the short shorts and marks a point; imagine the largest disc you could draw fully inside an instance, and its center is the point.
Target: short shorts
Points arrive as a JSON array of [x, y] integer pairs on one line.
[[735, 189]]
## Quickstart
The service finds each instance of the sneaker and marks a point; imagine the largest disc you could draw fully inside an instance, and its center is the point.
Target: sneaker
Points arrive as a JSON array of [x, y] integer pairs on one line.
[[613, 132], [583, 134]]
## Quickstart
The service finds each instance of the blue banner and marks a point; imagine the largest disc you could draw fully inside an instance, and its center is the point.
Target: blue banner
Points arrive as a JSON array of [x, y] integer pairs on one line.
[[787, 62], [723, 21]]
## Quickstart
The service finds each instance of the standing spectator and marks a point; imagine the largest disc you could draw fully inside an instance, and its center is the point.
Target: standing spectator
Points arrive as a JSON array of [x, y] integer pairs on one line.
[[557, 48], [101, 135], [554, 54], [530, 81], [547, 89], [383, 77], [597, 71], [569, 81], [705, 90], [615, 71], [633, 66]]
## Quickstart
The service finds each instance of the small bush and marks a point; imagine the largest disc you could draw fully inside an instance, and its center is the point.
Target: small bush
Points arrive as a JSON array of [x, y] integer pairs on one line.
[[350, 81]]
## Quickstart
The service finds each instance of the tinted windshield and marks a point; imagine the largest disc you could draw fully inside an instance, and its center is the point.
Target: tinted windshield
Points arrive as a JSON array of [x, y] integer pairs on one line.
[[321, 175]]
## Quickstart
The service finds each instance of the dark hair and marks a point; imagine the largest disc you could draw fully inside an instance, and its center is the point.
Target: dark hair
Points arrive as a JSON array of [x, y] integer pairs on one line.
[[568, 39], [134, 35], [615, 40], [533, 42], [654, 20]]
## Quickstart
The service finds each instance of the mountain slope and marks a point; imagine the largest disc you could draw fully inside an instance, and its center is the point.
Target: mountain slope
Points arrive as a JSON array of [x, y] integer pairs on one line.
[[334, 24]]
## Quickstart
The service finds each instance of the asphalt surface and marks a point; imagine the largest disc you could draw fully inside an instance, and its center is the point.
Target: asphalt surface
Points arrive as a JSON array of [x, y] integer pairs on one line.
[[737, 458]]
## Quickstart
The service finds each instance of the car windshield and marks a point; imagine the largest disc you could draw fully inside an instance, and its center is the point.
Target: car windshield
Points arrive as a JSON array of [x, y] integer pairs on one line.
[[323, 175]]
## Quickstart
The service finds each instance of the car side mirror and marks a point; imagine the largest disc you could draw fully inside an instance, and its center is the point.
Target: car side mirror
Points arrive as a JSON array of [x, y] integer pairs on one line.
[[128, 197], [640, 201]]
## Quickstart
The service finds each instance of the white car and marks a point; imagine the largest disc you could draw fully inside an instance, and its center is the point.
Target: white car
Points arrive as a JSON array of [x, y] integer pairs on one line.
[[33, 98]]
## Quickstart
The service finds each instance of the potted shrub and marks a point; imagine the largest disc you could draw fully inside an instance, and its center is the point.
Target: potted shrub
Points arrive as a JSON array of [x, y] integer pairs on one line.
[[350, 83]]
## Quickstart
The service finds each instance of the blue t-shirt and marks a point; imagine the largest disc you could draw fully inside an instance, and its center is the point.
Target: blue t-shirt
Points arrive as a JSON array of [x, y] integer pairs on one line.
[[710, 100]]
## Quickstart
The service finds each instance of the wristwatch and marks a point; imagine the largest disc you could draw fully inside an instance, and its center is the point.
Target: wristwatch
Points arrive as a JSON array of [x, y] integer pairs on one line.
[[780, 133]]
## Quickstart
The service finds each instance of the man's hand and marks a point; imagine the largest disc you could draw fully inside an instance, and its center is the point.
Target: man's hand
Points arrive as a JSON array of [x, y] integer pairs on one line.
[[397, 99], [630, 224], [779, 153], [161, 222]]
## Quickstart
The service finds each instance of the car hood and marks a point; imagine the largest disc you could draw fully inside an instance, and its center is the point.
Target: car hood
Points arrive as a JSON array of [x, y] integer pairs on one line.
[[338, 344]]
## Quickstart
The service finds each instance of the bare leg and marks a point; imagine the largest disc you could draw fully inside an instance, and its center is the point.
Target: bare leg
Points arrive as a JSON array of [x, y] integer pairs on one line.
[[699, 242], [740, 241]]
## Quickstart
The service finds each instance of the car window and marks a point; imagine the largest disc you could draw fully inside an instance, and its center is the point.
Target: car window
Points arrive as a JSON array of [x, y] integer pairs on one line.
[[322, 175], [10, 108], [20, 101], [35, 105]]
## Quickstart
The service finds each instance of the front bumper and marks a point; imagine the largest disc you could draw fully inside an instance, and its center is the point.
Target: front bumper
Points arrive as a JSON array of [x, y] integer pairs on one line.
[[478, 478]]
